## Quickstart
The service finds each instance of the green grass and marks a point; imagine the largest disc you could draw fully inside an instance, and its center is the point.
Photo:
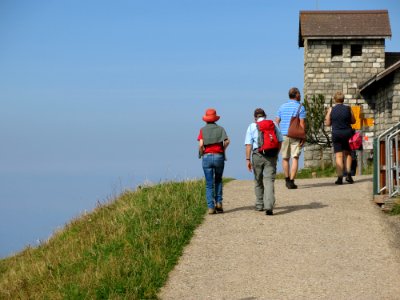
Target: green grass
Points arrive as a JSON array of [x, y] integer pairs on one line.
[[395, 210], [122, 250], [328, 171], [396, 207]]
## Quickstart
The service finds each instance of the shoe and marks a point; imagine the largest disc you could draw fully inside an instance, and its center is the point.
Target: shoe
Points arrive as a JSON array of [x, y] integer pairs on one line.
[[294, 186], [290, 184], [287, 179], [269, 212], [339, 180], [211, 211], [219, 208], [259, 209], [349, 179]]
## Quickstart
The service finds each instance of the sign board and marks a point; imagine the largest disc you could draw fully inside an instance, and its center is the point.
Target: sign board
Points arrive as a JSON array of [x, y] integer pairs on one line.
[[368, 143], [357, 114], [360, 121], [368, 122]]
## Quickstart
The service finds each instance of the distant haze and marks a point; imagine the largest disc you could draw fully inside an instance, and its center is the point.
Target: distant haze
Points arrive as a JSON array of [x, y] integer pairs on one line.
[[98, 96]]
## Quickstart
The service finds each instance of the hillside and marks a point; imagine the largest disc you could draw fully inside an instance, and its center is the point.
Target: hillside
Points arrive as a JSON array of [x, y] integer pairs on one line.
[[123, 249]]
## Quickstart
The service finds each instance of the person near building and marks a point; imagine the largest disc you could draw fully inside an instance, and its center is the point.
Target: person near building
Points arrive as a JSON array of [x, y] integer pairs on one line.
[[213, 142], [291, 147], [340, 117], [263, 164]]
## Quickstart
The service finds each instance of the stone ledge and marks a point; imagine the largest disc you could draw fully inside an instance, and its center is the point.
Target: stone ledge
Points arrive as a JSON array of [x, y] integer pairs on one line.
[[380, 199]]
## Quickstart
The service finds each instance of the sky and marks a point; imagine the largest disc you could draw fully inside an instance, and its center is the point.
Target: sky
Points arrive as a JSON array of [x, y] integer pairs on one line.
[[100, 96]]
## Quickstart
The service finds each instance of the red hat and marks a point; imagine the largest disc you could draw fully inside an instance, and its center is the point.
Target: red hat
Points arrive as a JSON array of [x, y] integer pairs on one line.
[[211, 115]]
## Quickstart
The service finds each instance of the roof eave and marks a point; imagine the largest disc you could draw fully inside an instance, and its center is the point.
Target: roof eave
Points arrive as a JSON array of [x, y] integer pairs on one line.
[[358, 37], [347, 37], [364, 86], [330, 12]]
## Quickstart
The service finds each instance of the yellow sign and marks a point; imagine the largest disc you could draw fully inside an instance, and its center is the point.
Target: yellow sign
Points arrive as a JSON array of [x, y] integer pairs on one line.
[[368, 122], [357, 114], [360, 121]]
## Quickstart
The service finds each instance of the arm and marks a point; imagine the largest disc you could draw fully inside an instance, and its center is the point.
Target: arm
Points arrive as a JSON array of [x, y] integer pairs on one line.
[[279, 136], [201, 148], [248, 156], [226, 143], [303, 124], [328, 121], [277, 120]]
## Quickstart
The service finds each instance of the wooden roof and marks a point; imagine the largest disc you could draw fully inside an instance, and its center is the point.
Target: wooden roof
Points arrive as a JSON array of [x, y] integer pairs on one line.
[[344, 24]]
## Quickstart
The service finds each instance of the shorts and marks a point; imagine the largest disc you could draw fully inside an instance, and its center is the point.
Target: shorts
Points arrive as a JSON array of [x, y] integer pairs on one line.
[[340, 143], [290, 147]]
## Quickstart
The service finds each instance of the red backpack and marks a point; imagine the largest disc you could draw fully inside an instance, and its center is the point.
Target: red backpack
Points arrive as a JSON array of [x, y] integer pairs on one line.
[[355, 141], [268, 143]]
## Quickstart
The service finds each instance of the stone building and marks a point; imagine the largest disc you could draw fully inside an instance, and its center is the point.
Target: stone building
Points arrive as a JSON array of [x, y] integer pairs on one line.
[[345, 51], [382, 93]]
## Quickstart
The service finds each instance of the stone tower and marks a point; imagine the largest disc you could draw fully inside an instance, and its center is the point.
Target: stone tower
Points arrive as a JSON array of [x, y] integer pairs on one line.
[[342, 49]]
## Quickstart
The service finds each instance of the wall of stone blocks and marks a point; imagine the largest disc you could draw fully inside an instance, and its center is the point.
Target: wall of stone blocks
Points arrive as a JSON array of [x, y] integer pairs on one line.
[[387, 104], [324, 74]]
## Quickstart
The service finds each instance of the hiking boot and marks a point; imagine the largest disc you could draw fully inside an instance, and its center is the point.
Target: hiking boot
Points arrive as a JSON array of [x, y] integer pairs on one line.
[[211, 211], [219, 208], [294, 186], [339, 180], [269, 212], [349, 179], [287, 179], [290, 184]]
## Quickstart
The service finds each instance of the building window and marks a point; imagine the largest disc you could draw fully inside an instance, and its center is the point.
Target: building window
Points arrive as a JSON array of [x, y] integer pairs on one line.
[[337, 50], [356, 50]]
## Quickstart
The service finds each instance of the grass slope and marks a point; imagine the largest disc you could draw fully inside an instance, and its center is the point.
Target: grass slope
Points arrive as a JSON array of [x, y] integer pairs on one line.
[[122, 250]]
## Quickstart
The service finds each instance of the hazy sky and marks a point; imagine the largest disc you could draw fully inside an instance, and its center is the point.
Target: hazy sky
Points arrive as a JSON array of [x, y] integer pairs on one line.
[[101, 95]]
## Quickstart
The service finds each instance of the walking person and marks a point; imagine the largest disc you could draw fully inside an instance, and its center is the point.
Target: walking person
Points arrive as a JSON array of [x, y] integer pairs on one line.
[[340, 117], [263, 142], [291, 147], [213, 142]]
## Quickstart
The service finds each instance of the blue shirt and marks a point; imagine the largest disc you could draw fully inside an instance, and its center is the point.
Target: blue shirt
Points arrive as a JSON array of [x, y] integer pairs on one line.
[[252, 134], [286, 112]]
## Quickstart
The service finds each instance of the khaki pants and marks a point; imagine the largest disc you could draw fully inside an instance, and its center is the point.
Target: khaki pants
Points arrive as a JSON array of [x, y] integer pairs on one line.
[[264, 169]]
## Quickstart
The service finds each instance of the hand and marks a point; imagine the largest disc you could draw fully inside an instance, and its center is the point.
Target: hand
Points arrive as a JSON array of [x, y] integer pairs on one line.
[[249, 166], [302, 143]]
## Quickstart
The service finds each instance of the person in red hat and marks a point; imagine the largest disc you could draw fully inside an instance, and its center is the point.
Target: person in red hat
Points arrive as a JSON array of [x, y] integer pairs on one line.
[[213, 142]]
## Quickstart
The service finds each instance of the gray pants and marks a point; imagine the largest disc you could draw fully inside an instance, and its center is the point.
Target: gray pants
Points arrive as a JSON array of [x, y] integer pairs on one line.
[[264, 169]]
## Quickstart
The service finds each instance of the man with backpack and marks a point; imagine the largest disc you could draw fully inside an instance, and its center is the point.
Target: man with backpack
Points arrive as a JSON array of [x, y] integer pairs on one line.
[[263, 142]]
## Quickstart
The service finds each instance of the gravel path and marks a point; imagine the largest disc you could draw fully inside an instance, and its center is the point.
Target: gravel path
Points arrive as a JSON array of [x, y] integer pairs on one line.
[[323, 242]]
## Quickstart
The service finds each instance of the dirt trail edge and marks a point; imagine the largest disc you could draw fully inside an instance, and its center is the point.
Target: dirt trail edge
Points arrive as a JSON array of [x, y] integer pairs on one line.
[[324, 242]]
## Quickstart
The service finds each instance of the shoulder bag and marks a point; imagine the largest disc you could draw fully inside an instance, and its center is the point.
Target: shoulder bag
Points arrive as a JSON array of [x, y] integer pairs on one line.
[[295, 130]]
